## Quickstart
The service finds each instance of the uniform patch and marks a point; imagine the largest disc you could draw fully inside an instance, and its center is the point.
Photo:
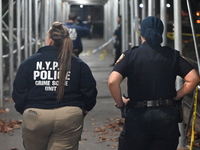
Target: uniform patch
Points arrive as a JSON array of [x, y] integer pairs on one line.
[[120, 58]]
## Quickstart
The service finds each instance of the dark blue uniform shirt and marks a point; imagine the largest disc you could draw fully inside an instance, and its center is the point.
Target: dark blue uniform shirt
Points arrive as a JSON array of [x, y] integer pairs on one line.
[[151, 72]]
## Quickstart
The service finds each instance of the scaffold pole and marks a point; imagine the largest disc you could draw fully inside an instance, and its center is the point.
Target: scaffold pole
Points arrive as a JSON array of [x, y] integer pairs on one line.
[[1, 62], [163, 14]]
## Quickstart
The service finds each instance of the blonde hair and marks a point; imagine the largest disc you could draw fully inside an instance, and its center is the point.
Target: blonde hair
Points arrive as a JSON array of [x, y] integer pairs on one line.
[[60, 35]]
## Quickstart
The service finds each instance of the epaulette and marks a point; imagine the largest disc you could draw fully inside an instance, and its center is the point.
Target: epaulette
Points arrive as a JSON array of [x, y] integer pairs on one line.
[[178, 53], [134, 47]]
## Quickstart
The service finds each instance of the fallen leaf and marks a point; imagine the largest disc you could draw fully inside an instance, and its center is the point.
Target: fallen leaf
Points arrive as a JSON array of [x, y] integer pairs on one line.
[[9, 126], [111, 130], [3, 111]]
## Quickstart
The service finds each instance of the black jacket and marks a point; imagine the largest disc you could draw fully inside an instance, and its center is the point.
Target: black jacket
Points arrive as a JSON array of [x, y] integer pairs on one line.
[[36, 82], [76, 33]]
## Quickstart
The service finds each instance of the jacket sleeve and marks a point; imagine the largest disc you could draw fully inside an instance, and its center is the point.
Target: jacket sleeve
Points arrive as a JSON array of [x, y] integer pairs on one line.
[[88, 87], [20, 89]]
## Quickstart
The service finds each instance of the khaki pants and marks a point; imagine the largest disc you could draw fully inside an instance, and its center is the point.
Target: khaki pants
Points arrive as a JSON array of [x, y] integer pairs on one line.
[[52, 129]]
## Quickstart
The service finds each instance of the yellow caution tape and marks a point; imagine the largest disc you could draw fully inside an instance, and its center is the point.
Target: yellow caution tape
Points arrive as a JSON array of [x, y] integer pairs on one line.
[[171, 35], [188, 34], [194, 118]]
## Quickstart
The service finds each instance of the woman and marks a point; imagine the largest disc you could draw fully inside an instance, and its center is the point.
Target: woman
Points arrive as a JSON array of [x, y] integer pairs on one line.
[[151, 121], [54, 90]]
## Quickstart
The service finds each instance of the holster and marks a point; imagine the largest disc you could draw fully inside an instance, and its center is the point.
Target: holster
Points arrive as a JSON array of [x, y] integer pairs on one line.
[[123, 111], [179, 108], [124, 108]]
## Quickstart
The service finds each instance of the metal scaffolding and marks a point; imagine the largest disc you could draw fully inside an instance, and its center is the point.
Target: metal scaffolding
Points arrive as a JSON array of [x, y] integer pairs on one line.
[[25, 23], [29, 21], [1, 63], [23, 26]]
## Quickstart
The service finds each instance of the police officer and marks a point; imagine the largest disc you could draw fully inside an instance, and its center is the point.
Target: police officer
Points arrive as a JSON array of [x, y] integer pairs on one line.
[[76, 33], [152, 119], [54, 90], [118, 40]]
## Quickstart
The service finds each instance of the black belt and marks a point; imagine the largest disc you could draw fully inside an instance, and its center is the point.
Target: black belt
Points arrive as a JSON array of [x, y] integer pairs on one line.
[[152, 103]]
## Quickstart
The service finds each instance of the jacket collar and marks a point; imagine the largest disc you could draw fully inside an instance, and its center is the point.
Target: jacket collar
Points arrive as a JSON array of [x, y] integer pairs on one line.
[[46, 48], [144, 44]]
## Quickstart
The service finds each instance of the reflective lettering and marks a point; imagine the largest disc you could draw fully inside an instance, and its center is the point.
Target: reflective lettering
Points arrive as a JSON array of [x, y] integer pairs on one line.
[[39, 65], [47, 64], [36, 74], [42, 82]]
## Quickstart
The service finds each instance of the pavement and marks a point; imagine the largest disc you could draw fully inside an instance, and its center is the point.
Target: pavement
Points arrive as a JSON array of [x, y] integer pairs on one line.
[[102, 125]]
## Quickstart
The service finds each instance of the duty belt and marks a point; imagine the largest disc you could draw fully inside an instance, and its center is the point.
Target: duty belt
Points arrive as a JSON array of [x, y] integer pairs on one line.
[[152, 103]]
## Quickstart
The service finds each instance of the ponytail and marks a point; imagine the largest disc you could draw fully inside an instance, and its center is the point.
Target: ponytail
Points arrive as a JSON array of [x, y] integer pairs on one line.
[[62, 41]]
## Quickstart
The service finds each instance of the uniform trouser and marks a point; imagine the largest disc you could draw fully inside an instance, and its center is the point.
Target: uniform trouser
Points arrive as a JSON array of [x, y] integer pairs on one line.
[[150, 129], [52, 129]]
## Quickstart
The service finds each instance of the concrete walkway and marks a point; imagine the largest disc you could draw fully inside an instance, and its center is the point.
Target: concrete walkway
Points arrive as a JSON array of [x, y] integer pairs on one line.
[[102, 125]]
